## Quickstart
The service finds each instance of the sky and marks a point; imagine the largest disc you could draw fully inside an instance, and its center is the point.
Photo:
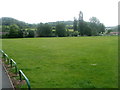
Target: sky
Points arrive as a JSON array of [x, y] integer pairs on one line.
[[36, 11]]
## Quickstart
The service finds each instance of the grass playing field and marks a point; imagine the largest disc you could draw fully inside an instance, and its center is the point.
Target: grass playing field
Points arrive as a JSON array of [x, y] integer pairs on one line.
[[66, 62]]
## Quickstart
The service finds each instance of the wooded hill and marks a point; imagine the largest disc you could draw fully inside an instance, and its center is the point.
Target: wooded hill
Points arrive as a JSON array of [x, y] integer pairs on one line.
[[7, 21]]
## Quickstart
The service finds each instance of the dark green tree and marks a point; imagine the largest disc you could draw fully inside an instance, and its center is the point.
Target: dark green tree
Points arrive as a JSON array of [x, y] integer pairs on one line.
[[14, 29], [87, 29], [20, 33], [39, 29], [44, 30], [30, 33], [96, 26], [75, 24], [101, 28], [80, 24], [60, 30], [5, 28], [94, 20]]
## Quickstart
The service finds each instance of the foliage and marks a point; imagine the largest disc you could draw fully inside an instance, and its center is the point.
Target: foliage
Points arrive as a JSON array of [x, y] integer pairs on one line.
[[60, 30], [108, 31], [75, 24], [5, 28], [75, 33], [14, 29], [44, 30], [94, 20], [92, 28], [20, 34], [81, 27], [30, 33], [87, 30], [96, 26]]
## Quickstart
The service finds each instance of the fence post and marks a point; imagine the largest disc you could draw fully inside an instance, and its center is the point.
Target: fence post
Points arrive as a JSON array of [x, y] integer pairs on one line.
[[20, 75], [15, 65], [16, 69], [11, 62], [26, 79]]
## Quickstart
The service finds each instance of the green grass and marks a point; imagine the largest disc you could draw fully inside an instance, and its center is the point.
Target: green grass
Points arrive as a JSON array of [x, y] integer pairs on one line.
[[66, 62]]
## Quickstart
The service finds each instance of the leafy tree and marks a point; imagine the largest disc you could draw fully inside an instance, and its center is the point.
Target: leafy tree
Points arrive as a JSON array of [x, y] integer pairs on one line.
[[60, 30], [39, 29], [87, 29], [81, 28], [75, 24], [96, 26], [101, 28], [94, 20], [80, 24], [44, 30], [20, 34], [108, 31], [75, 33], [5, 28], [13, 33], [30, 33], [94, 29]]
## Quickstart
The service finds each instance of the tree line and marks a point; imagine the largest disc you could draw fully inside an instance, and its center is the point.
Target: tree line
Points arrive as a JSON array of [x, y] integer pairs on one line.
[[13, 29], [91, 28]]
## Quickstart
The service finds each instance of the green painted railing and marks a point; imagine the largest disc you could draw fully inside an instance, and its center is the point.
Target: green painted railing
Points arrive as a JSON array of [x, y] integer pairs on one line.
[[14, 64], [5, 56], [26, 79]]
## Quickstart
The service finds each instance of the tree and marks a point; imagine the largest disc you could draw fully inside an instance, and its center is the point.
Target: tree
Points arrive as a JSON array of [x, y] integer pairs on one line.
[[96, 26], [44, 30], [75, 33], [20, 33], [94, 20], [60, 30], [39, 29], [5, 28], [101, 28], [75, 24], [80, 24], [30, 33], [13, 33], [87, 30]]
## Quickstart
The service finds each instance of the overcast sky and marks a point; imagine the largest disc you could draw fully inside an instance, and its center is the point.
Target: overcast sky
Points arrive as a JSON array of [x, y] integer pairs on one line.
[[36, 11]]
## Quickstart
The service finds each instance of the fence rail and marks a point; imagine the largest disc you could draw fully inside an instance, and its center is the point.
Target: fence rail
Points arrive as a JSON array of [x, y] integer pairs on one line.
[[26, 79], [14, 64]]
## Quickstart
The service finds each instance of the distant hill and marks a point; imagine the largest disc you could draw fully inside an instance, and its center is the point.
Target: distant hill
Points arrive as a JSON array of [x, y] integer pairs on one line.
[[113, 28], [65, 22], [9, 21]]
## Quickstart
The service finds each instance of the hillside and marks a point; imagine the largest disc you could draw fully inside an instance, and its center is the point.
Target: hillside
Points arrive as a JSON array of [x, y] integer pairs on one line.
[[9, 21]]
